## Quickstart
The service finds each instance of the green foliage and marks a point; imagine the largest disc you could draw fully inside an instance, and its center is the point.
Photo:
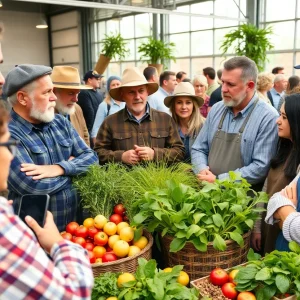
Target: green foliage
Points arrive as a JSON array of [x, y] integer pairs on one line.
[[219, 211], [105, 286], [99, 188], [143, 178], [114, 46], [250, 41], [150, 283], [274, 275], [155, 51]]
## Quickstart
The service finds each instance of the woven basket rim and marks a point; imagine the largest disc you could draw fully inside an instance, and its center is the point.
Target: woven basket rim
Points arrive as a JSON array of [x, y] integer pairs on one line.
[[130, 258], [230, 241]]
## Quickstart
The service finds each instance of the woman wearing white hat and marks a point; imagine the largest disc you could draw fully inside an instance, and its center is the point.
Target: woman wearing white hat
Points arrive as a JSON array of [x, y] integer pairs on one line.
[[184, 106]]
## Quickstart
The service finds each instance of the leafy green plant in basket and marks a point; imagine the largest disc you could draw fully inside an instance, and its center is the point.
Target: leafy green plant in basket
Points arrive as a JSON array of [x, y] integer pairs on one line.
[[219, 211], [99, 188], [276, 274], [143, 178]]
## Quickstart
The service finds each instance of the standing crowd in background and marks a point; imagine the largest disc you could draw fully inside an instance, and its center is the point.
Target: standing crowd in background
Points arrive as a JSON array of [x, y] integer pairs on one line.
[[54, 126]]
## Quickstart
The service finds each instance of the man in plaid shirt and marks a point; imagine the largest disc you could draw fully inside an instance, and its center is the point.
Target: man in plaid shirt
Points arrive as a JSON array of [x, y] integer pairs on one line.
[[137, 132], [50, 150]]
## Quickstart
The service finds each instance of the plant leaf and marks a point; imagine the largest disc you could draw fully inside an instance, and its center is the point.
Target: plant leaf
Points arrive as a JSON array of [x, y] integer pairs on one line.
[[192, 230], [237, 237], [177, 244], [263, 274], [219, 243], [218, 220], [294, 247], [249, 223], [282, 283]]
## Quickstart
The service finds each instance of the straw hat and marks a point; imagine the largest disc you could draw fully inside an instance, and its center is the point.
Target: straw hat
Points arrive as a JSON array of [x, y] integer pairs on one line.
[[66, 77], [184, 89], [133, 77]]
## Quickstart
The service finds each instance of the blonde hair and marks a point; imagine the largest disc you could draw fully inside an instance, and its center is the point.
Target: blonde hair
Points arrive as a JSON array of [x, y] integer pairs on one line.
[[264, 80], [295, 90], [196, 119], [201, 79]]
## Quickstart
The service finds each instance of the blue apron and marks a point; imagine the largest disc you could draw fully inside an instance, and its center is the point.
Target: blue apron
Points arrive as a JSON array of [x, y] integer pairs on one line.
[[281, 243]]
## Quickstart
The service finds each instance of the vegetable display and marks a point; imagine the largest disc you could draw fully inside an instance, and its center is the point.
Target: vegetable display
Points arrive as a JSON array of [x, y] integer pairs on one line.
[[148, 282], [276, 274], [219, 211]]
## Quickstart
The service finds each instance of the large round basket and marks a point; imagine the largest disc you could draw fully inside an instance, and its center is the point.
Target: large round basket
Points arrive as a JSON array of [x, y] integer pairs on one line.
[[127, 264], [199, 264]]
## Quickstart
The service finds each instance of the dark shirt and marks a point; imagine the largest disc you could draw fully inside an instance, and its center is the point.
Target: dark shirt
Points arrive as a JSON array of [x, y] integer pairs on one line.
[[89, 101], [186, 142], [216, 96], [119, 133]]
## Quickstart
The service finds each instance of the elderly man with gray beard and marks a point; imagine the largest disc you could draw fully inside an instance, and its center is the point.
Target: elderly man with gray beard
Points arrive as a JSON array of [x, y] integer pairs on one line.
[[50, 152], [240, 132]]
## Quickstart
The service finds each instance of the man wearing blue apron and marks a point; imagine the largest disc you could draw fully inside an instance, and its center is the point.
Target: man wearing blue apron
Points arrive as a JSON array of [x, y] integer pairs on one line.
[[240, 132]]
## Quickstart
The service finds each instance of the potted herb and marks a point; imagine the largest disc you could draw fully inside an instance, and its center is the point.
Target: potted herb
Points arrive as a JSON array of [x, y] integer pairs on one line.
[[155, 52], [113, 46], [250, 41], [197, 227]]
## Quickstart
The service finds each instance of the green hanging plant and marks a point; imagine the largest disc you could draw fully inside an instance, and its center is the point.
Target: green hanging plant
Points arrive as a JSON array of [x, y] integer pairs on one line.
[[113, 46], [155, 51], [250, 41]]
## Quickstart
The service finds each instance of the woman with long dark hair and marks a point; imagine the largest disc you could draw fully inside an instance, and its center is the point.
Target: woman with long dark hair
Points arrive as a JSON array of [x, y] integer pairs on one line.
[[283, 168]]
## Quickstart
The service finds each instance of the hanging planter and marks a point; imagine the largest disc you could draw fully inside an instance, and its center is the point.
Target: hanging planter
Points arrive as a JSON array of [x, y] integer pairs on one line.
[[114, 46]]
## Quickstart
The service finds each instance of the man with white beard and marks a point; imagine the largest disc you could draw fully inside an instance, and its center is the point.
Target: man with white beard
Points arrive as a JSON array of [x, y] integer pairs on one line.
[[240, 132], [66, 87], [50, 151]]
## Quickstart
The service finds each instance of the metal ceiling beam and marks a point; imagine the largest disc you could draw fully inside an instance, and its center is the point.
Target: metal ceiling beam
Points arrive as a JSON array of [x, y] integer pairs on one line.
[[138, 9]]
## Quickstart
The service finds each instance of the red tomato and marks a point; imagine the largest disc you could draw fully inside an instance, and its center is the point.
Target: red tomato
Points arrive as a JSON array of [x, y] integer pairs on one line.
[[92, 231], [81, 231], [100, 238], [116, 218], [107, 257], [71, 227], [89, 246], [109, 250], [119, 209], [229, 291], [80, 240], [92, 257], [66, 235], [89, 240], [218, 277]]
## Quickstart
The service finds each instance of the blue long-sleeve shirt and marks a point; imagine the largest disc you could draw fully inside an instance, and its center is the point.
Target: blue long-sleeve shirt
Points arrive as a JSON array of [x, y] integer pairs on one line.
[[259, 139], [53, 143]]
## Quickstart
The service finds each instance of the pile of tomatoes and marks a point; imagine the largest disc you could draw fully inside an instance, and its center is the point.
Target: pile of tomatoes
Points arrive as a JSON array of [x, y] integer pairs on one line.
[[106, 240], [221, 278]]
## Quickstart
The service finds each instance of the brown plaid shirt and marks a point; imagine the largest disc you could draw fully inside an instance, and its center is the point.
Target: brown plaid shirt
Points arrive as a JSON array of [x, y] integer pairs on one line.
[[119, 133]]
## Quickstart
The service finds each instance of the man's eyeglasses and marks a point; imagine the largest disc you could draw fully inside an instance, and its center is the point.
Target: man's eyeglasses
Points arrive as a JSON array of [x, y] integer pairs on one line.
[[11, 146]]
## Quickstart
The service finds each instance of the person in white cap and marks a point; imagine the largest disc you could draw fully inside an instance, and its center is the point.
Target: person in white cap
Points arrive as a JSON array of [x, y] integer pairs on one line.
[[137, 133]]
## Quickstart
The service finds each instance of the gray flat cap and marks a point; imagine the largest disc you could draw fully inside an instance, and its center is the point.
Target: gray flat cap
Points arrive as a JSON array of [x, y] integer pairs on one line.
[[22, 75]]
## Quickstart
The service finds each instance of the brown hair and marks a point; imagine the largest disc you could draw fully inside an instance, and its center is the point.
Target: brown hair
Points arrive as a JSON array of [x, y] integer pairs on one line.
[[4, 117]]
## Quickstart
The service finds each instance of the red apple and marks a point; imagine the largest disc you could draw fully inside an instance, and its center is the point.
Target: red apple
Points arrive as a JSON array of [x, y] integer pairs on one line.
[[229, 291], [218, 277]]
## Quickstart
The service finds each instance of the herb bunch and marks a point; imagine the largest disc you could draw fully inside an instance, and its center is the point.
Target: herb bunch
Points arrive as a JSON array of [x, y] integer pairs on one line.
[[99, 188], [219, 211], [274, 275]]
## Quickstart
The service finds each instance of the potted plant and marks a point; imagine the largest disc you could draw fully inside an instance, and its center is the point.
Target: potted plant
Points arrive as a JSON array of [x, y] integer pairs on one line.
[[250, 41], [155, 52], [205, 228], [114, 46]]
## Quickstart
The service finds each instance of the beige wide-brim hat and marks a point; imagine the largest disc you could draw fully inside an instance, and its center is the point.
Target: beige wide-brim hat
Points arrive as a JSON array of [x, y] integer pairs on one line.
[[66, 77], [133, 77], [184, 89]]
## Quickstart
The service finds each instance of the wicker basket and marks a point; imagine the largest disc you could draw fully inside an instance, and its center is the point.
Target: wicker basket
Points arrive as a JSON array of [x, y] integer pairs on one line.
[[127, 264], [199, 264]]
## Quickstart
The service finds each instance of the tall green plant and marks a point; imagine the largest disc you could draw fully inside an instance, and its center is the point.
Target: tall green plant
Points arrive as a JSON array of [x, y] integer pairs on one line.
[[250, 41], [155, 51], [114, 46]]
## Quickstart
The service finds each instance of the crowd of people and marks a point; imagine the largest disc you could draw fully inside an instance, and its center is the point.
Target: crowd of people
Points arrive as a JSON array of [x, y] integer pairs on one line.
[[57, 127]]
